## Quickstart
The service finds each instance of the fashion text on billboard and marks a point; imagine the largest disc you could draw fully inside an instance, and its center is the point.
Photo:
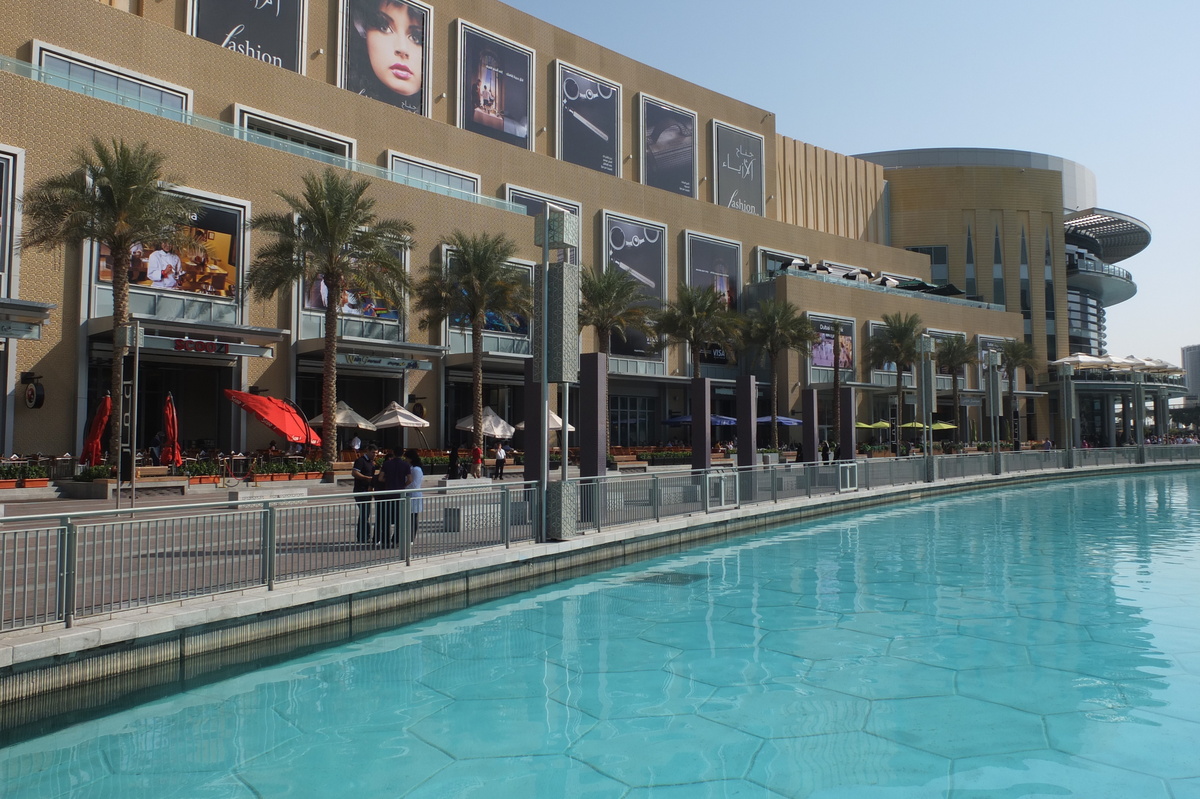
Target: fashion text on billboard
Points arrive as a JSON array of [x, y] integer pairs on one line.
[[738, 169], [266, 30]]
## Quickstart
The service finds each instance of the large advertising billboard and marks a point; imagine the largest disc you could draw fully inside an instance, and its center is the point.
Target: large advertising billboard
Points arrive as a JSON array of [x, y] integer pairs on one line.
[[589, 120], [535, 205], [384, 51], [639, 249], [271, 31], [835, 339], [354, 301], [208, 265], [668, 146], [737, 167], [714, 263], [495, 87]]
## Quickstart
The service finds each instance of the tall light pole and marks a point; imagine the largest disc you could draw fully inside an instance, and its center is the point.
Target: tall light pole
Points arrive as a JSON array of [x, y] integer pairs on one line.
[[993, 359], [926, 396], [1066, 373]]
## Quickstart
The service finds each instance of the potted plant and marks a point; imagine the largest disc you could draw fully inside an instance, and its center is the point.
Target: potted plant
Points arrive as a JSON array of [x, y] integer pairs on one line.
[[33, 476], [90, 474], [201, 472], [9, 475]]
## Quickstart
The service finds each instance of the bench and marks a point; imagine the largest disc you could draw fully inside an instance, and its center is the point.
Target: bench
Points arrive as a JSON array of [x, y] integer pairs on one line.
[[631, 466], [146, 472]]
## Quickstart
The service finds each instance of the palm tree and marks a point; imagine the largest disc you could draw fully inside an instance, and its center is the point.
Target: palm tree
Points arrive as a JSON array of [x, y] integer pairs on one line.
[[1015, 354], [613, 303], [776, 326], [697, 317], [331, 234], [955, 354], [478, 282], [896, 342], [117, 196]]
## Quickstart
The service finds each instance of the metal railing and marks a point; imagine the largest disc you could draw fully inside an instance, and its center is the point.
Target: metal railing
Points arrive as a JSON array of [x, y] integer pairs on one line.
[[56, 568]]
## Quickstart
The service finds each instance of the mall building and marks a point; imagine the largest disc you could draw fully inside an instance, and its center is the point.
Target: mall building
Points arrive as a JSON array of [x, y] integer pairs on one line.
[[469, 115]]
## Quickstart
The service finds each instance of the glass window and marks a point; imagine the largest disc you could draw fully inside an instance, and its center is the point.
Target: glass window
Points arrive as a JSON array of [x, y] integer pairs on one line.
[[104, 81], [425, 173]]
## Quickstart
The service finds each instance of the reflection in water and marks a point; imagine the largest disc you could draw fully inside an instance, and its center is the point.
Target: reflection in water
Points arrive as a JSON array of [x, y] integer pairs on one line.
[[1036, 641]]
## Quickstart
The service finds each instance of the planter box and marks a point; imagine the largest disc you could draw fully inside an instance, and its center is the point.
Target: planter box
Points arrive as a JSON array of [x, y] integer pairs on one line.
[[204, 479], [8, 483], [35, 482], [769, 458]]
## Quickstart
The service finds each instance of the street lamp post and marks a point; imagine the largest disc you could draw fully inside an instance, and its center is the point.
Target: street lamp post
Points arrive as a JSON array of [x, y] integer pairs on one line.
[[927, 395], [994, 360], [1066, 373]]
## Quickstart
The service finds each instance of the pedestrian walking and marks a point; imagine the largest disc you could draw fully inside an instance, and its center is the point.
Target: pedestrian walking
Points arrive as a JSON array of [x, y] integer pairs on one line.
[[416, 498], [501, 458]]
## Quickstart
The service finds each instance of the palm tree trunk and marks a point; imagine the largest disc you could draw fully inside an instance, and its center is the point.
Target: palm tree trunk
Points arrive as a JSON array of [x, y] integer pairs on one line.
[[120, 285], [329, 431], [694, 349], [477, 384], [774, 358]]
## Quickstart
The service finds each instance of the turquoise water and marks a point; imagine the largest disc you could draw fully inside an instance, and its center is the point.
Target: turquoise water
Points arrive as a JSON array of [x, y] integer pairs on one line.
[[1035, 642]]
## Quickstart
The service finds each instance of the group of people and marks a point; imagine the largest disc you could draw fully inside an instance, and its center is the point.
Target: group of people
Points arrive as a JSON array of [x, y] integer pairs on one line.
[[396, 473], [473, 467]]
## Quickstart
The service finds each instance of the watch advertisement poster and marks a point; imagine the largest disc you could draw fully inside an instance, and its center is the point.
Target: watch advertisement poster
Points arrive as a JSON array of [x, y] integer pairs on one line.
[[384, 52], [835, 338], [495, 91], [738, 169], [639, 249], [715, 263], [668, 147], [266, 30], [589, 120]]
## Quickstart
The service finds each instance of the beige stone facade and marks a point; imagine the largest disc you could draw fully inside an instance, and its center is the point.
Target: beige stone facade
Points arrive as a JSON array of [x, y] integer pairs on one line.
[[818, 204]]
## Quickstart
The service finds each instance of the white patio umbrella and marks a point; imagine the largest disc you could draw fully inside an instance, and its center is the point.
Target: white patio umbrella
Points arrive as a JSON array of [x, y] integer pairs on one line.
[[556, 423], [396, 415], [344, 416], [493, 425]]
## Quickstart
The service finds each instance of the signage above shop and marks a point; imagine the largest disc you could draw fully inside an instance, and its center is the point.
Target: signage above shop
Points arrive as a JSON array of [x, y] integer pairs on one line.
[[193, 346], [22, 330], [382, 362]]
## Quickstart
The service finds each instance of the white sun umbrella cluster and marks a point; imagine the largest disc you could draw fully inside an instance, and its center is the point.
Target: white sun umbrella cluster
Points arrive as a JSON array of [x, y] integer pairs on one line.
[[1130, 363], [343, 416]]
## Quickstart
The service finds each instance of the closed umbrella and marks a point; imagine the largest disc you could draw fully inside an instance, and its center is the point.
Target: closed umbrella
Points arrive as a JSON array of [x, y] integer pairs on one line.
[[170, 455], [279, 415], [93, 453]]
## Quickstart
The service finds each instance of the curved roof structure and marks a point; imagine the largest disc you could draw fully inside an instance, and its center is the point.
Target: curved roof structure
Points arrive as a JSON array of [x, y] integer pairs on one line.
[[1110, 236]]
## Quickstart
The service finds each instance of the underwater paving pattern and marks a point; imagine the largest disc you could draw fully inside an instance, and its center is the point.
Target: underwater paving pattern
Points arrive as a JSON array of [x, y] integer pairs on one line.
[[1028, 642]]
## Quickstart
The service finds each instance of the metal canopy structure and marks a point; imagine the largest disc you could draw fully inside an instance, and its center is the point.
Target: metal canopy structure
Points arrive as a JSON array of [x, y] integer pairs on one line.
[[1108, 234]]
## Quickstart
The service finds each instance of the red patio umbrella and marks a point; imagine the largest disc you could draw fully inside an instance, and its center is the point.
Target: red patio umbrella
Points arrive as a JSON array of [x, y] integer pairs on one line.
[[170, 454], [276, 414], [93, 452]]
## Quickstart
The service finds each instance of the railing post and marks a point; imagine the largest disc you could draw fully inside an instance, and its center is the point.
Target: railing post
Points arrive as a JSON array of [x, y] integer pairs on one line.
[[505, 516], [772, 474], [268, 546], [656, 498], [68, 547], [707, 492], [404, 528], [599, 486]]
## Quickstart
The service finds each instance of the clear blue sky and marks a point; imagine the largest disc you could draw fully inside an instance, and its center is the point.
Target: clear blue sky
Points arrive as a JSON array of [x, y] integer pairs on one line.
[[1113, 86]]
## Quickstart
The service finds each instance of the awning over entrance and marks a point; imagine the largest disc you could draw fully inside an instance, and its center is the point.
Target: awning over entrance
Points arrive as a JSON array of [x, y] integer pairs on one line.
[[23, 319]]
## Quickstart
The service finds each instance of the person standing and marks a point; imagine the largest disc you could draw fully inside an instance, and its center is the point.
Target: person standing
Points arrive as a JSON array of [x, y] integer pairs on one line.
[[363, 473], [416, 498], [501, 458], [476, 461], [453, 467], [163, 267], [394, 474]]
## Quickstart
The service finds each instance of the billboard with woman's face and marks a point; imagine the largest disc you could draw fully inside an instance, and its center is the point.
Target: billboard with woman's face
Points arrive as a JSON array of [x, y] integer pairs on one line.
[[737, 169], [266, 30], [835, 339], [668, 146], [589, 120], [495, 87], [716, 264], [639, 249], [383, 51]]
